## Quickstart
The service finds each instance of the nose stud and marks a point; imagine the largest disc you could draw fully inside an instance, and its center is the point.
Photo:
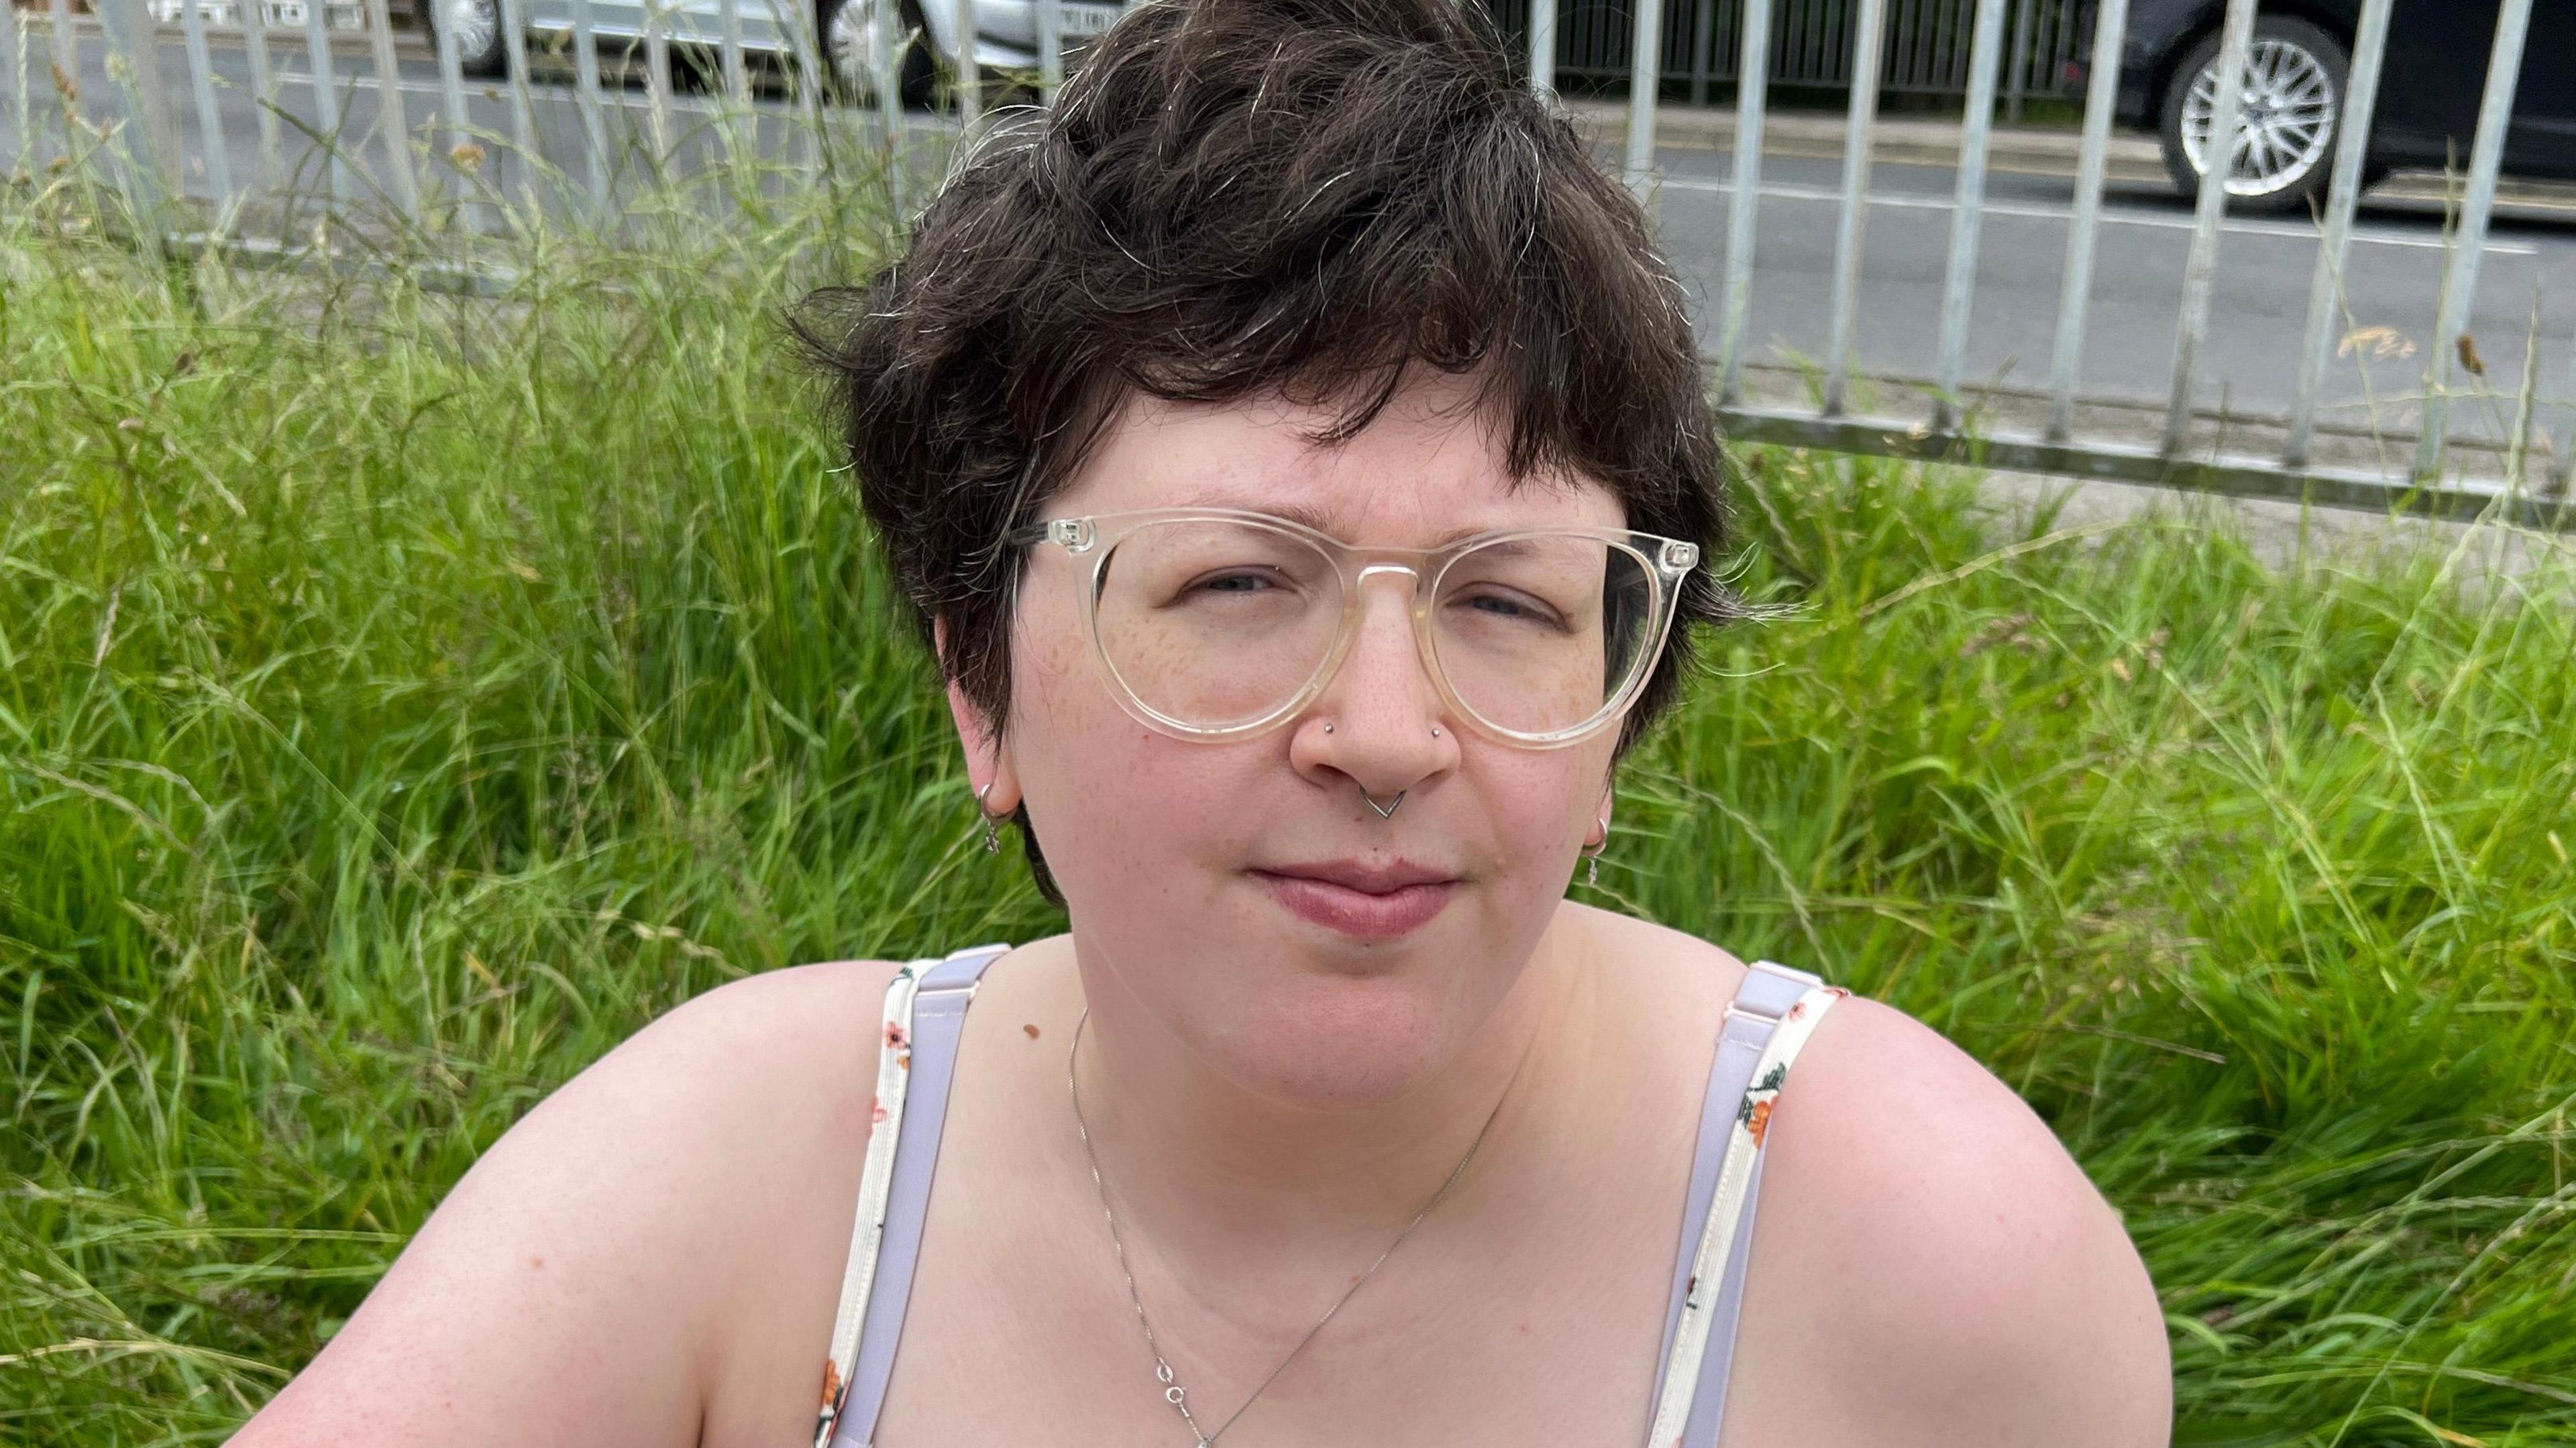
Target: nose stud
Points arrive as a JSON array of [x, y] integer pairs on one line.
[[1328, 728]]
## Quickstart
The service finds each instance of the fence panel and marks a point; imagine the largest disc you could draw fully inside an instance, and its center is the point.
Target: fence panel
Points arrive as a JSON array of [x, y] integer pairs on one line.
[[571, 158], [1889, 37]]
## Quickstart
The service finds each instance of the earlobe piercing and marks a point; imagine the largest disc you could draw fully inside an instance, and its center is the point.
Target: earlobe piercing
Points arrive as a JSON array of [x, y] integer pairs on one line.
[[1592, 856], [992, 834]]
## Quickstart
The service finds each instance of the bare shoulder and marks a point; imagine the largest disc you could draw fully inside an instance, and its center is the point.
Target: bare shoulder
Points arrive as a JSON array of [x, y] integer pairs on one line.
[[1948, 1263], [597, 1274]]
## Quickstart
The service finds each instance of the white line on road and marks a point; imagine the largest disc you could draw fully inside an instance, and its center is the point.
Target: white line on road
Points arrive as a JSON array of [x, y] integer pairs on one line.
[[1784, 191], [486, 92]]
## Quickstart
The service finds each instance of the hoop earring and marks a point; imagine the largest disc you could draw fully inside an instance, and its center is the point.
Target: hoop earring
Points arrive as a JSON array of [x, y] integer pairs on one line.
[[1592, 856], [992, 833]]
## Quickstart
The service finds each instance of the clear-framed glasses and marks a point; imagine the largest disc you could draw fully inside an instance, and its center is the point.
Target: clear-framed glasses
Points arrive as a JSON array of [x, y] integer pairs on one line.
[[1219, 623]]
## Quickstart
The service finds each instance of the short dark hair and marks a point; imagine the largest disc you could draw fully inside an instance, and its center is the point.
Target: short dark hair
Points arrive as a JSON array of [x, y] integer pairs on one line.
[[1237, 196]]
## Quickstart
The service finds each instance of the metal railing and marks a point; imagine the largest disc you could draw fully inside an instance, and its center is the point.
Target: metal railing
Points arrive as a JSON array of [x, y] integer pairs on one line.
[[2055, 446], [412, 143], [344, 140]]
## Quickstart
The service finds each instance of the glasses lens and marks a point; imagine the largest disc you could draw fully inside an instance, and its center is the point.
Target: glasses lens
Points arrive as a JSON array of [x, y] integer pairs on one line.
[[1214, 623], [1540, 634]]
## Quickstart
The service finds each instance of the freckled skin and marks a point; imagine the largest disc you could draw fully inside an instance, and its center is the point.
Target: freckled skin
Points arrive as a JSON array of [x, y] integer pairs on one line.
[[1159, 870]]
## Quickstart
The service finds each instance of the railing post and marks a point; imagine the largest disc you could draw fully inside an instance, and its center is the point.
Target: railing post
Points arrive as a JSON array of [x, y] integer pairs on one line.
[[1645, 78], [2562, 463], [2075, 293], [390, 117], [1542, 56], [657, 81], [326, 93], [587, 99], [737, 81], [523, 120], [2325, 289], [263, 87], [1050, 49], [65, 52], [889, 84], [2200, 273], [2018, 82], [1959, 290], [13, 58], [151, 133], [803, 47], [2460, 284], [1752, 96], [1703, 36], [129, 28], [451, 96], [970, 77], [1867, 48], [210, 121]]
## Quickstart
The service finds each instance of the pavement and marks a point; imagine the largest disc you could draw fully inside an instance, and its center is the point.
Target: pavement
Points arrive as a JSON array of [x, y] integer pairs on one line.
[[2131, 158]]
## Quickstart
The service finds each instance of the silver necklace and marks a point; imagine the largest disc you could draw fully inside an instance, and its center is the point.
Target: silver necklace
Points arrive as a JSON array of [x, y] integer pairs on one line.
[[1172, 1391]]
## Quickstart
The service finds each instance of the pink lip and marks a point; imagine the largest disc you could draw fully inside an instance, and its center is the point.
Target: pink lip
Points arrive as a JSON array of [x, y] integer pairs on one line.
[[1382, 903]]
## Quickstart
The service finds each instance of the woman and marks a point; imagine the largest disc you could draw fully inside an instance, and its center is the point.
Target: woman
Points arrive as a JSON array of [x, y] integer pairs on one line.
[[1297, 456]]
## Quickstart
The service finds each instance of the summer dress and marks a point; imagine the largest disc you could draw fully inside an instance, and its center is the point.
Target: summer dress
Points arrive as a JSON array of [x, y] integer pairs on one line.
[[925, 1012]]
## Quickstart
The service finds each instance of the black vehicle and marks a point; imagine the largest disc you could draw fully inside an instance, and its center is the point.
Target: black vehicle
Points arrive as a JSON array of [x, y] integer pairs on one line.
[[2429, 89]]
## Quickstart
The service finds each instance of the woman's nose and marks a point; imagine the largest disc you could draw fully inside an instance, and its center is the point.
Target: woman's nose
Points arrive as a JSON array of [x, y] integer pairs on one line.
[[1381, 720]]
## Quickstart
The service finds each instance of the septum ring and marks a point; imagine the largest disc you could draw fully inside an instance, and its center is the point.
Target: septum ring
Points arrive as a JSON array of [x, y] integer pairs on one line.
[[1384, 811]]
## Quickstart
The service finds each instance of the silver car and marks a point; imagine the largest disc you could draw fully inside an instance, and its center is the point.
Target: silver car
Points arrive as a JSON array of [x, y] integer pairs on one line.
[[1006, 32]]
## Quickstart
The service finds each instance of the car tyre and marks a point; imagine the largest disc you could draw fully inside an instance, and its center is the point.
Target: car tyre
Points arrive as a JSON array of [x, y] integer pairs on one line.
[[2295, 102], [841, 26], [481, 49]]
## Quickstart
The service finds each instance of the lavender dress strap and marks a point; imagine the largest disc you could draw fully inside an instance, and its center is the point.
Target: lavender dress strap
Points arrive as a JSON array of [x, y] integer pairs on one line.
[[1750, 1066], [923, 1026]]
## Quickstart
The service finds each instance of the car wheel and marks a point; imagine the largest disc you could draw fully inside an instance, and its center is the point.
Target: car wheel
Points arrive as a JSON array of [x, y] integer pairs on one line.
[[2285, 140], [476, 24], [849, 49]]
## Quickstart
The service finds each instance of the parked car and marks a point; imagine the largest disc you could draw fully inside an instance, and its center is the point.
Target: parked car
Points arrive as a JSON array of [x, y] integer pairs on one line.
[[2429, 91], [1006, 32]]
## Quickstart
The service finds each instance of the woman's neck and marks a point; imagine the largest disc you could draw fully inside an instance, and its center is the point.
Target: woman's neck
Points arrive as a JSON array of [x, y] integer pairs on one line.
[[1205, 1169]]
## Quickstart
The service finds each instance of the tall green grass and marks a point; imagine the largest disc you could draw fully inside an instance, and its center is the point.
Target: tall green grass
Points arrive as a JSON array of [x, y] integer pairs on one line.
[[402, 698]]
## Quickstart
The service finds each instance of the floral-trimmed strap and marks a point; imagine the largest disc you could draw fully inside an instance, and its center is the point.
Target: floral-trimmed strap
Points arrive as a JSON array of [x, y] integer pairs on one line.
[[1692, 1337], [876, 1182]]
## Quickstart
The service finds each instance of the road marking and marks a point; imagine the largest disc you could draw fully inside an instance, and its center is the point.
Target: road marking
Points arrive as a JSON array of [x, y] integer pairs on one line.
[[476, 91], [1785, 191]]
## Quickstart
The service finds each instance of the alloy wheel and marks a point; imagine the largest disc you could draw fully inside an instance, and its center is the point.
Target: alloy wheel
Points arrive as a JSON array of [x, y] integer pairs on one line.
[[474, 23], [2288, 120]]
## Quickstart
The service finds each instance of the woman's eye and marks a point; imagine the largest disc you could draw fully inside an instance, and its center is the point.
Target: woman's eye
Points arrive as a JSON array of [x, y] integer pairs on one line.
[[1512, 607], [1235, 583]]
